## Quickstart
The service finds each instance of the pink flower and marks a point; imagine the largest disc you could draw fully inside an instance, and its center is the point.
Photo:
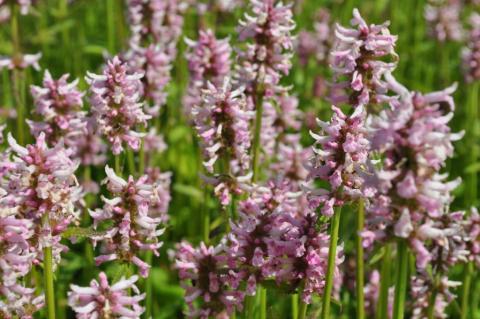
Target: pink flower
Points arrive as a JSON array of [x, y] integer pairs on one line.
[[208, 61], [133, 226], [59, 104], [116, 107], [100, 300], [471, 53], [40, 181], [21, 61], [340, 155], [316, 44], [443, 20], [209, 280], [357, 62]]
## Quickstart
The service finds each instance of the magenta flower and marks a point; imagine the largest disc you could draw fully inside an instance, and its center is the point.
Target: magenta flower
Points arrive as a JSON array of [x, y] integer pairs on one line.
[[443, 20], [59, 104], [340, 155], [471, 53], [115, 105], [357, 62], [208, 61], [102, 300], [132, 229], [210, 282]]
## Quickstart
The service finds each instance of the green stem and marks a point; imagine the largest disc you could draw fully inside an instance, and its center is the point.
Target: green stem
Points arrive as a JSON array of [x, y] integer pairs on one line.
[[111, 26], [360, 261], [205, 218], [382, 311], [48, 278], [431, 306], [467, 282], [257, 133], [401, 280], [148, 287], [118, 166], [17, 75], [332, 255], [472, 131], [302, 308], [263, 302], [294, 300], [131, 162], [249, 305]]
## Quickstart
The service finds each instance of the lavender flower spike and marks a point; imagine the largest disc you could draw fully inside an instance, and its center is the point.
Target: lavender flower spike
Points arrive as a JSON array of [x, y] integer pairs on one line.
[[102, 300], [116, 106]]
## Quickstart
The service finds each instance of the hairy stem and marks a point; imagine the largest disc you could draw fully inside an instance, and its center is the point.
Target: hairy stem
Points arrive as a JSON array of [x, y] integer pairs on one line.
[[48, 277], [385, 273]]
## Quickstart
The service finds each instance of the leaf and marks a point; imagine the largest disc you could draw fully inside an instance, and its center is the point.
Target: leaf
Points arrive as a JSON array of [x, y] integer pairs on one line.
[[80, 232]]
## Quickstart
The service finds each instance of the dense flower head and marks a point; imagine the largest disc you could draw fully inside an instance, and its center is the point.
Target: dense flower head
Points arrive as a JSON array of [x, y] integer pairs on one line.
[[208, 61], [340, 158], [471, 53], [316, 44], [115, 104], [267, 57], [155, 64], [17, 301], [21, 61], [59, 105], [132, 227], [39, 185], [90, 148], [223, 125], [208, 276], [443, 20], [161, 181], [102, 300], [358, 62]]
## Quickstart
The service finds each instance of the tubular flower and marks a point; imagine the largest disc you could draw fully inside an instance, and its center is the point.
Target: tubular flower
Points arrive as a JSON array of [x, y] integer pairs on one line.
[[222, 123], [267, 58], [357, 64], [91, 149], [133, 229], [443, 20], [415, 140], [340, 157], [116, 106], [161, 182], [208, 61], [59, 104], [208, 277], [17, 301], [102, 300], [471, 54], [39, 185]]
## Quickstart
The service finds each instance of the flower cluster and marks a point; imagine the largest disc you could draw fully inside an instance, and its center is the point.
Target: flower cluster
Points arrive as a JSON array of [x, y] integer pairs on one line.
[[267, 58], [21, 61], [471, 54], [222, 123], [39, 185], [340, 158], [208, 61], [357, 63], [115, 104], [59, 104], [134, 228], [316, 44], [443, 20], [23, 4], [207, 275], [102, 300]]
